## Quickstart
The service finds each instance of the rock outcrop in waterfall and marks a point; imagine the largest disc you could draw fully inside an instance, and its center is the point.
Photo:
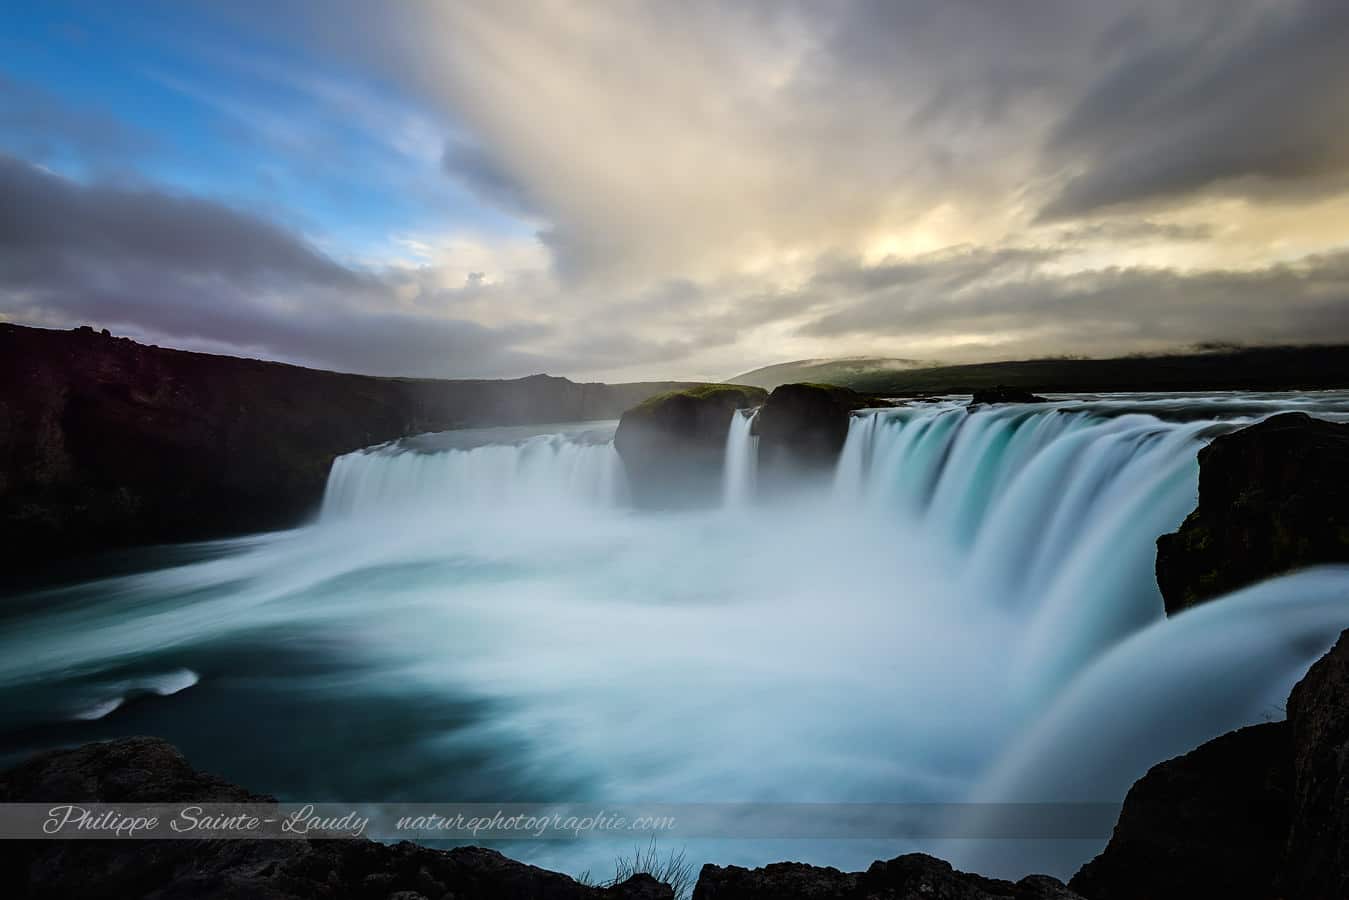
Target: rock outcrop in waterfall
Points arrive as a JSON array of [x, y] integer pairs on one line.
[[673, 445], [802, 428]]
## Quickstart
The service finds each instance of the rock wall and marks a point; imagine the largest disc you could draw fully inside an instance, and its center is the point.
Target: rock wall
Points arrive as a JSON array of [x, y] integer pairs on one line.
[[1272, 497], [1261, 812], [105, 442]]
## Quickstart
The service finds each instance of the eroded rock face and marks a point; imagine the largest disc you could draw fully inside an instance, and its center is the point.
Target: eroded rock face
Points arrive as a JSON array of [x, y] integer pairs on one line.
[[1317, 859], [105, 442], [1001, 394], [914, 876], [1272, 497], [1211, 823], [673, 445], [1260, 812], [802, 427], [148, 770]]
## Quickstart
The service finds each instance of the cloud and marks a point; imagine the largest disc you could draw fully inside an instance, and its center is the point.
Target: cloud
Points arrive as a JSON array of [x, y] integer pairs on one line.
[[197, 273], [688, 190], [1104, 311], [1263, 96]]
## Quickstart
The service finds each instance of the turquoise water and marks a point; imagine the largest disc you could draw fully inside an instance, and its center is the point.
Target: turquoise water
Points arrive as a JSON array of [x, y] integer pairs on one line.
[[483, 618]]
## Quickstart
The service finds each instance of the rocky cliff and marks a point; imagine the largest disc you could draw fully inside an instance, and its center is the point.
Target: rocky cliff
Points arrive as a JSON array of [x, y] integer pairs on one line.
[[105, 442], [1272, 497], [1261, 812]]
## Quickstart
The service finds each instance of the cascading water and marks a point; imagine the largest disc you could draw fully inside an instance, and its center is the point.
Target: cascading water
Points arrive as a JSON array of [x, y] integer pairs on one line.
[[544, 470], [742, 457], [968, 615]]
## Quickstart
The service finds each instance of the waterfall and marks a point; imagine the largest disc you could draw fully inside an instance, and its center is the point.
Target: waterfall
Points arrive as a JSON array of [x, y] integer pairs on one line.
[[742, 459], [552, 470], [1051, 512], [970, 616]]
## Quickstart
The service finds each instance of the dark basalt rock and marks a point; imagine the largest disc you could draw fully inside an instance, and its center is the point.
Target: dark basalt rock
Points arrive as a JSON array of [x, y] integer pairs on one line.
[[1257, 813], [105, 442], [1211, 823], [914, 876], [673, 445], [802, 427], [1003, 394], [1316, 863], [1272, 497], [148, 770]]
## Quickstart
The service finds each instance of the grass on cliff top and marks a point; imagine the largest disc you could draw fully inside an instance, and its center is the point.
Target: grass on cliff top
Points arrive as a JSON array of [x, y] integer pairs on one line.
[[704, 391]]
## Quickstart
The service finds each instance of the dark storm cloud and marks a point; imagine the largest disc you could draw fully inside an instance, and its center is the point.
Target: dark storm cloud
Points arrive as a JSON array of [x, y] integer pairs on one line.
[[1110, 310], [1260, 95], [194, 271]]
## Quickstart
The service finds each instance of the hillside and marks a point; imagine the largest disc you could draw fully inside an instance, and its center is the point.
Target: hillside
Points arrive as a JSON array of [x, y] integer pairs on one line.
[[827, 371], [1258, 368]]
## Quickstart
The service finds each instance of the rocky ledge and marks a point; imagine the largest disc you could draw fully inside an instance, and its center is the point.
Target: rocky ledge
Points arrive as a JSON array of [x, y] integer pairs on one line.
[[1272, 497], [914, 876]]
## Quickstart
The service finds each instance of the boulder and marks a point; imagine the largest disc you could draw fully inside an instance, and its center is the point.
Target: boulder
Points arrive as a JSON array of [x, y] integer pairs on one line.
[[1272, 497], [1316, 863], [673, 445], [802, 427], [1211, 823], [1003, 394], [914, 876], [1259, 812], [148, 770]]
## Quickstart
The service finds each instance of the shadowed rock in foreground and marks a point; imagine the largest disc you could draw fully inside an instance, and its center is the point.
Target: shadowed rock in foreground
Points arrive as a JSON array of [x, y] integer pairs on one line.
[[148, 770], [1257, 813], [914, 876], [1272, 497], [105, 442]]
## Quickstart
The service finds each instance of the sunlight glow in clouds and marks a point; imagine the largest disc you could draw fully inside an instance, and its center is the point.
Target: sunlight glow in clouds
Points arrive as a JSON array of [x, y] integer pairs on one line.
[[678, 190]]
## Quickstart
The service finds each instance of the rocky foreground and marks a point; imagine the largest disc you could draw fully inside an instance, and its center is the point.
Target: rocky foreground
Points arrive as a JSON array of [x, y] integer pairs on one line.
[[107, 443]]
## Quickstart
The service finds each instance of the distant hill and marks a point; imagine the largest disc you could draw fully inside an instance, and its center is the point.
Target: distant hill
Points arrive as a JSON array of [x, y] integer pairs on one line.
[[1255, 368], [842, 372]]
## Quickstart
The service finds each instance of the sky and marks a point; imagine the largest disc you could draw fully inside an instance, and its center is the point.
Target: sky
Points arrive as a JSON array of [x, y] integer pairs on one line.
[[638, 190]]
